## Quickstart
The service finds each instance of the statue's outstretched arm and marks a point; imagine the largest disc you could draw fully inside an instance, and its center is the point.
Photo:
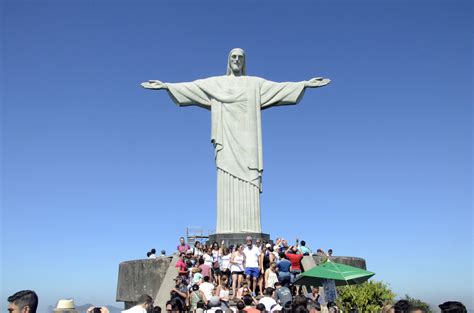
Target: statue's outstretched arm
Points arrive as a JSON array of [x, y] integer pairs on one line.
[[154, 84], [317, 82]]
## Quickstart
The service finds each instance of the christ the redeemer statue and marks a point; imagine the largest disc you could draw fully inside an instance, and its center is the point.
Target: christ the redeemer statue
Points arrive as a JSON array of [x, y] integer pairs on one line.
[[236, 102]]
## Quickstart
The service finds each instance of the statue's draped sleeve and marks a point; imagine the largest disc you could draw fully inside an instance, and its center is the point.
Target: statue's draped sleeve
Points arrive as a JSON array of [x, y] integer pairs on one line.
[[272, 93], [190, 93]]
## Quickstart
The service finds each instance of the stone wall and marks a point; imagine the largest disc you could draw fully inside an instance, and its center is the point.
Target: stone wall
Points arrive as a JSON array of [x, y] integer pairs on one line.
[[146, 276], [140, 277]]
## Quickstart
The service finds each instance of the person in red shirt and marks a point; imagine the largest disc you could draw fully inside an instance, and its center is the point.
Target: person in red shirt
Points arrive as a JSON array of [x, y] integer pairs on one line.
[[293, 255], [183, 246], [181, 265]]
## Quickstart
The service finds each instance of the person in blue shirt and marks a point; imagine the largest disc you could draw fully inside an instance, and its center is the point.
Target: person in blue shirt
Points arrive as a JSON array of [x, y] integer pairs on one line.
[[303, 249], [283, 266]]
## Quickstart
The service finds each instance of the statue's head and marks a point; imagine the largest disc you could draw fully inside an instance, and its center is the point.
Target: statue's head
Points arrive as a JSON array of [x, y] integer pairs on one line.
[[236, 62]]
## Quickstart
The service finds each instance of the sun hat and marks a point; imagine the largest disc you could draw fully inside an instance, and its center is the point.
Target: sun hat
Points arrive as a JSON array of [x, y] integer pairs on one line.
[[65, 306]]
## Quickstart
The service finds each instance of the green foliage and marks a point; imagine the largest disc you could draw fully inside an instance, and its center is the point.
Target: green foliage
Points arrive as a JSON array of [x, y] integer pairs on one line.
[[367, 297], [418, 303]]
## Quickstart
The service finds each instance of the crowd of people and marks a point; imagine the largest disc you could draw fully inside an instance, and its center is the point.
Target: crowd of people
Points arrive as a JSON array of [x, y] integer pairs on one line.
[[241, 273], [252, 278]]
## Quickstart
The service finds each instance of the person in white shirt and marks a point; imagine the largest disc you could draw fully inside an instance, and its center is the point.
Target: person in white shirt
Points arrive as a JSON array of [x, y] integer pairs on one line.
[[207, 288], [145, 304], [252, 268], [267, 299]]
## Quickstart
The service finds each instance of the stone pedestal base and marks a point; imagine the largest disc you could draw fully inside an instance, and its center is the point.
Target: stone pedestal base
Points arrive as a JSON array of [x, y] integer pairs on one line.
[[236, 238]]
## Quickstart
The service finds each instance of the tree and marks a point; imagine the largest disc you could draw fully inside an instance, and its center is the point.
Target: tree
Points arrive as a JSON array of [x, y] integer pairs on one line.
[[367, 297]]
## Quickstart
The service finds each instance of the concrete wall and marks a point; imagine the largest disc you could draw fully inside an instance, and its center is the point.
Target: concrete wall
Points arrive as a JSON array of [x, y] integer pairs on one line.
[[140, 277], [146, 276]]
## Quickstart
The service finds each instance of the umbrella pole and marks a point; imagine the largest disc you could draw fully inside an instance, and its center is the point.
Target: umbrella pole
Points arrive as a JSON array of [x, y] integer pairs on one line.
[[347, 282]]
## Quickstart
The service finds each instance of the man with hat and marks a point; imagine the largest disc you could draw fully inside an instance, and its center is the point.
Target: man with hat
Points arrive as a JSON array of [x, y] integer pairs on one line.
[[252, 268]]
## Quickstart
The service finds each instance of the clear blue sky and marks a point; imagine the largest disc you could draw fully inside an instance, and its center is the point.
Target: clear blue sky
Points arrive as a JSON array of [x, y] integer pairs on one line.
[[97, 170]]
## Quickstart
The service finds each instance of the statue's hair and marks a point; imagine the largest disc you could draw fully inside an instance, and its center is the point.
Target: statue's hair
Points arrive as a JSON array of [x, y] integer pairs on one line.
[[244, 67]]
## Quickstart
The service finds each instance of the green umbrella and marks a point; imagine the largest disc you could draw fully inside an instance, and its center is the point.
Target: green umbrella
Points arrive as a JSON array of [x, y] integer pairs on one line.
[[342, 274]]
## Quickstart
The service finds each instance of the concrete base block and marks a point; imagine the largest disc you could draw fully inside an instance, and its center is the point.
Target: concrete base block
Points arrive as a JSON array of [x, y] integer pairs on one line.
[[236, 238]]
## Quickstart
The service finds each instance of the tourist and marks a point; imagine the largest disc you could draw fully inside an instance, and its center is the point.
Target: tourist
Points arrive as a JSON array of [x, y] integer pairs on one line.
[[252, 269], [313, 307], [314, 295], [180, 292], [183, 246], [266, 258], [452, 307], [271, 276], [330, 252], [243, 291], [248, 301], [156, 309], [283, 266], [195, 296], [295, 258], [205, 269], [237, 267], [222, 292], [65, 306], [401, 306], [332, 307], [174, 306], [24, 301], [182, 267], [152, 254], [261, 307], [282, 294], [214, 304], [144, 305], [197, 250], [216, 253], [95, 309], [207, 288], [303, 249], [163, 253], [388, 308], [240, 306], [197, 278], [267, 299], [225, 263], [207, 256]]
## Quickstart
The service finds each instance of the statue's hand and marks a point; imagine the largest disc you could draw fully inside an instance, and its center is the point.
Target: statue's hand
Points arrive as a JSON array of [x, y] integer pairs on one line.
[[154, 84], [317, 82]]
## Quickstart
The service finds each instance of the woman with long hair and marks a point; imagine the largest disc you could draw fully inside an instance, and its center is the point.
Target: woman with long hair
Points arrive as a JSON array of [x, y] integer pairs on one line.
[[237, 267], [222, 291], [271, 276]]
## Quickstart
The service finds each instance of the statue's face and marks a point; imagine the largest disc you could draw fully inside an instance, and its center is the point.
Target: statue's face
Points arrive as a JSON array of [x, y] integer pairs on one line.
[[236, 61]]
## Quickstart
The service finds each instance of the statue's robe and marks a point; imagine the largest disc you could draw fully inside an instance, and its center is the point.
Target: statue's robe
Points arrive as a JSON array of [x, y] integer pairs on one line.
[[236, 104]]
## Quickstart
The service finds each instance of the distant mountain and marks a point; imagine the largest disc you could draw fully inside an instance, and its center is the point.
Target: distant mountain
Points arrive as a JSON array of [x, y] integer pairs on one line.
[[83, 308]]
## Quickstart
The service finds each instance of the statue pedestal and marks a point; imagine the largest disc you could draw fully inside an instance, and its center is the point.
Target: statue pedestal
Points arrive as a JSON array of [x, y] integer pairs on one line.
[[236, 238]]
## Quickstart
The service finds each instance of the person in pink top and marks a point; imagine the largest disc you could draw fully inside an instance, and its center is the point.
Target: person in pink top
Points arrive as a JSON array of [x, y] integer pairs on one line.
[[183, 246], [205, 269], [181, 265]]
